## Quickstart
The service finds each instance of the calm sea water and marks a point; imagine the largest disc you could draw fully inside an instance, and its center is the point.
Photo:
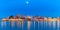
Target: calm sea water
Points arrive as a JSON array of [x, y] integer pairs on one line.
[[29, 25]]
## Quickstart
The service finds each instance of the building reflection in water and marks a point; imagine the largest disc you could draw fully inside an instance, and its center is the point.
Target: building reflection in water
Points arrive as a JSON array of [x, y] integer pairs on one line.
[[58, 25], [38, 25], [18, 23], [52, 24], [29, 25], [3, 24], [22, 25], [34, 25], [12, 24]]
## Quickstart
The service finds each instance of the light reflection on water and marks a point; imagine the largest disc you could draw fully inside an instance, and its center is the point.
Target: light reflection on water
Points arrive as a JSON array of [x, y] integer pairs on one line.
[[29, 25]]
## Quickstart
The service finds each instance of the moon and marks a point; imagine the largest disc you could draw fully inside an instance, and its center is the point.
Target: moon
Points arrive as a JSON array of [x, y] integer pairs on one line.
[[27, 2]]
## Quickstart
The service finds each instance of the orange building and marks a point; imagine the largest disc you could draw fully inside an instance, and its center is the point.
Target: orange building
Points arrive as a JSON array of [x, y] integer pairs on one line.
[[58, 19], [49, 19]]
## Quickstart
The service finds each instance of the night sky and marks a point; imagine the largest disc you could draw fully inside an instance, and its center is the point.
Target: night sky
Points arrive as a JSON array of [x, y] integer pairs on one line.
[[49, 8]]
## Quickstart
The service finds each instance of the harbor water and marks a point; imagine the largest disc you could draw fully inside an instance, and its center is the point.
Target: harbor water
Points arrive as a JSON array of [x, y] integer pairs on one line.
[[29, 25]]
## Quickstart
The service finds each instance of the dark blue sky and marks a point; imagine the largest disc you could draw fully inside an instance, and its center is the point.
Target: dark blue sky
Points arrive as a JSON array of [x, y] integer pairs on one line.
[[35, 7]]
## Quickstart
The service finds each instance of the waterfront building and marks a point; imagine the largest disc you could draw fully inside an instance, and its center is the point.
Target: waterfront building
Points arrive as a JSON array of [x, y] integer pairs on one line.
[[54, 19], [49, 19], [58, 19], [11, 19], [4, 19], [45, 18], [28, 18]]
